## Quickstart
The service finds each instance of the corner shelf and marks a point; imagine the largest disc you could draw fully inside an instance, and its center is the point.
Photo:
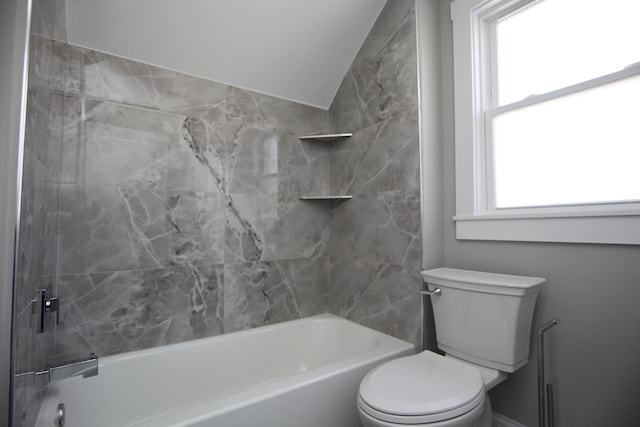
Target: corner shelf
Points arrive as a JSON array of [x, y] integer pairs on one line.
[[310, 198], [325, 138]]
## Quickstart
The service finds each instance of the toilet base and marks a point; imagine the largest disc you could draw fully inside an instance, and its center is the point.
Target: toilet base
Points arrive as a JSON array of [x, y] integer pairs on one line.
[[478, 417]]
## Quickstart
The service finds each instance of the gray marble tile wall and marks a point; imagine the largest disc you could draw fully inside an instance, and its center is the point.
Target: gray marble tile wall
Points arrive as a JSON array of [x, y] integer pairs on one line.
[[374, 243], [173, 201], [179, 210], [38, 238]]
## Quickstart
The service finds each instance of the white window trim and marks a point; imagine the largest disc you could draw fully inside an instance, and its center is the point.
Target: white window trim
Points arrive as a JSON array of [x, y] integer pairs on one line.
[[611, 223]]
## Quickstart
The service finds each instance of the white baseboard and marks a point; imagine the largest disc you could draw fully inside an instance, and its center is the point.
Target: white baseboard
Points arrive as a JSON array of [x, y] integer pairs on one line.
[[502, 421]]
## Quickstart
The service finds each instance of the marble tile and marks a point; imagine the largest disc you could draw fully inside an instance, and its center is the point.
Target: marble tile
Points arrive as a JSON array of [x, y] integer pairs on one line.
[[126, 145], [254, 231], [195, 159], [38, 222], [354, 228], [382, 227], [49, 19], [47, 63], [197, 221], [73, 150], [300, 230], [120, 80], [382, 83], [392, 17], [122, 311], [303, 168], [399, 227], [379, 295], [243, 242], [259, 111], [251, 162], [112, 228], [383, 157], [261, 293]]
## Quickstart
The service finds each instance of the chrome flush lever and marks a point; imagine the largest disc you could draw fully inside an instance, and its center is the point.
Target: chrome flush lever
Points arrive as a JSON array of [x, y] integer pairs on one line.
[[434, 292]]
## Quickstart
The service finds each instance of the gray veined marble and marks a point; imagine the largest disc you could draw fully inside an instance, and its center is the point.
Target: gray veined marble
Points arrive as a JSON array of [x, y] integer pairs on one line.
[[382, 82], [383, 157], [379, 295], [128, 310], [383, 227], [196, 159], [303, 169], [197, 222], [112, 228], [260, 293], [126, 145], [120, 80], [179, 215], [49, 19]]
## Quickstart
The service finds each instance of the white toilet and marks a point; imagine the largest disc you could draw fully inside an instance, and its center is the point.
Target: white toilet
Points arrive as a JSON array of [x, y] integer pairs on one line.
[[483, 324]]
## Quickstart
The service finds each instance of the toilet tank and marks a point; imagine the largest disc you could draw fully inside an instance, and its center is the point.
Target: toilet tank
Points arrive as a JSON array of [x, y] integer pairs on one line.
[[483, 318]]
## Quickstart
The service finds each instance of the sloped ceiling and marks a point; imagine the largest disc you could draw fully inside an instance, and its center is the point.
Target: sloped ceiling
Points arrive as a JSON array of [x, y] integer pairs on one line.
[[293, 49]]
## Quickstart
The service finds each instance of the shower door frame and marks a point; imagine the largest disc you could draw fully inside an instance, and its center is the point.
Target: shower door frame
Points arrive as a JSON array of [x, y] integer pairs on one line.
[[14, 46]]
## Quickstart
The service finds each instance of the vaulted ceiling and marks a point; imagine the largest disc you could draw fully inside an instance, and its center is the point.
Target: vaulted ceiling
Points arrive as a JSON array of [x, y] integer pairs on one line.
[[293, 49]]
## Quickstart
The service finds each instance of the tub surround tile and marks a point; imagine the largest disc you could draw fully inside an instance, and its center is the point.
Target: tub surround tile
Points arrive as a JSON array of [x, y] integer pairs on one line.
[[375, 238], [166, 174], [261, 293], [128, 82], [303, 169], [382, 296], [197, 220], [179, 213], [382, 157], [196, 158], [382, 226], [129, 310], [49, 19], [382, 81], [112, 228]]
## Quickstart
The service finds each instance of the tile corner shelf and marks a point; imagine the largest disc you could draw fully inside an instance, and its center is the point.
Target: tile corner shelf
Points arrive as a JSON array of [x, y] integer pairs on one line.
[[325, 138], [326, 197]]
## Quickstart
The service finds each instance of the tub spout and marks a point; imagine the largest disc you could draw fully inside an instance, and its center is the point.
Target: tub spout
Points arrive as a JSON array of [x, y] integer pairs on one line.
[[85, 367]]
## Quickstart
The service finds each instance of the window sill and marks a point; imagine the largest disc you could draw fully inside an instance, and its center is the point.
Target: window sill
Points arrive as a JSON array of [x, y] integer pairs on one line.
[[601, 228]]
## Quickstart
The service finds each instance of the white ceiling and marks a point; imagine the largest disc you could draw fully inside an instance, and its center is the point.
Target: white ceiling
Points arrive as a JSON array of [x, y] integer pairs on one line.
[[293, 49]]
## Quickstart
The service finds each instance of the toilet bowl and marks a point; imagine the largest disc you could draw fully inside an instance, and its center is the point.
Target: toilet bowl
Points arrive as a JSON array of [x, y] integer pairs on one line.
[[483, 322], [425, 389]]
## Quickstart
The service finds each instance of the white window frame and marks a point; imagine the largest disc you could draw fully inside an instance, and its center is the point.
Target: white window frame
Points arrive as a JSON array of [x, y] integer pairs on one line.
[[610, 223]]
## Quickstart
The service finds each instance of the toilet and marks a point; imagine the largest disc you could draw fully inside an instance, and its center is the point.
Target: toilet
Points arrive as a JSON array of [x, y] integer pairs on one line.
[[483, 324]]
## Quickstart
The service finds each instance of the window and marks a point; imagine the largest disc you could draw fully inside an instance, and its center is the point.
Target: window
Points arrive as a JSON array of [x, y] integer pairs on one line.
[[547, 109]]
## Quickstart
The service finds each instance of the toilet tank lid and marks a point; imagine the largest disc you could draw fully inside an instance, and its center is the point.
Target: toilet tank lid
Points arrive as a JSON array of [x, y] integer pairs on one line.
[[487, 282]]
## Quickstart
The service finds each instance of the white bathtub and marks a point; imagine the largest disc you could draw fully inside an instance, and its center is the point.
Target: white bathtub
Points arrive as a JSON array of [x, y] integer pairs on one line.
[[302, 373]]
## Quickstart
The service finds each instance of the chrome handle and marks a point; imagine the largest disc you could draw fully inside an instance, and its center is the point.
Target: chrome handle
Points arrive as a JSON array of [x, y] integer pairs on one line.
[[60, 419], [434, 292]]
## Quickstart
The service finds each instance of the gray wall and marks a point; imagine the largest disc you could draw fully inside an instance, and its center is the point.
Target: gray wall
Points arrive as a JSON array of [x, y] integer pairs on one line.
[[13, 41], [375, 243], [593, 292]]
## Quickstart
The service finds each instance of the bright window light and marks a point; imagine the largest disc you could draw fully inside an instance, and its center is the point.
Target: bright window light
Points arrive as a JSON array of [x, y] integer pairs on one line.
[[556, 43], [578, 149]]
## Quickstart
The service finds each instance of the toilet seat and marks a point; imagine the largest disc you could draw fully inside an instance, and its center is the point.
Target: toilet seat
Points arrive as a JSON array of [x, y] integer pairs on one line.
[[420, 389]]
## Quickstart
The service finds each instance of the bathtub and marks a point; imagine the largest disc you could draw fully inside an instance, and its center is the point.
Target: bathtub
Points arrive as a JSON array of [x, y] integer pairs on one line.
[[301, 373]]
